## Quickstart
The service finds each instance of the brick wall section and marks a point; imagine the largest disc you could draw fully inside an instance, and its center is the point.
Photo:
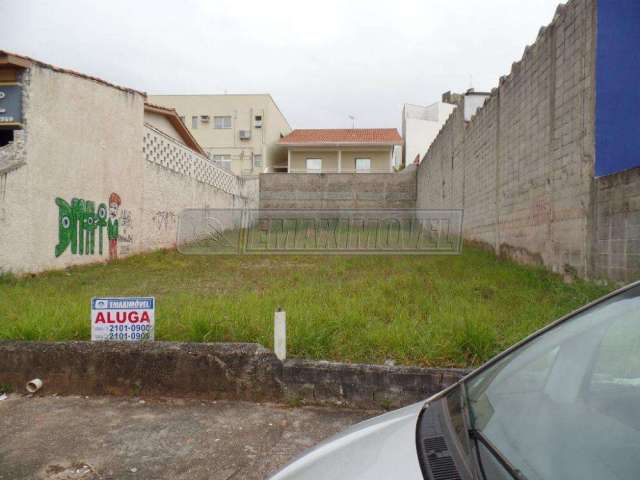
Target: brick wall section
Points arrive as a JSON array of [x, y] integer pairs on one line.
[[338, 190], [617, 227], [522, 168]]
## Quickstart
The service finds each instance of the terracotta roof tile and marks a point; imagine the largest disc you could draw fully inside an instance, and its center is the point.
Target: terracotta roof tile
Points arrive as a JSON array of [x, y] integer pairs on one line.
[[346, 136]]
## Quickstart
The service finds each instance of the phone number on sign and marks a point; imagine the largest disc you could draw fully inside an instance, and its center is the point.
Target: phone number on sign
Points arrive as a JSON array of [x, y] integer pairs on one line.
[[129, 332]]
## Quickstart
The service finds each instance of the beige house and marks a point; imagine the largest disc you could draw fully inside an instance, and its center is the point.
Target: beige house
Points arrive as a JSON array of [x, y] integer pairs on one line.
[[238, 132], [363, 150]]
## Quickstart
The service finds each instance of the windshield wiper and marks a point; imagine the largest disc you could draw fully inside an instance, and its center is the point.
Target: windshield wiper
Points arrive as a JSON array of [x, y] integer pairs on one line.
[[478, 436]]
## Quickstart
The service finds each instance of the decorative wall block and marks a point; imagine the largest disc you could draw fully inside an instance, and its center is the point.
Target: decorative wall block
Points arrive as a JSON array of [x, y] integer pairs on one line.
[[163, 150]]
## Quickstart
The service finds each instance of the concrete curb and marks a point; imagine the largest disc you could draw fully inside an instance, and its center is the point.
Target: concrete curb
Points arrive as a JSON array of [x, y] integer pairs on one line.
[[233, 371], [367, 386]]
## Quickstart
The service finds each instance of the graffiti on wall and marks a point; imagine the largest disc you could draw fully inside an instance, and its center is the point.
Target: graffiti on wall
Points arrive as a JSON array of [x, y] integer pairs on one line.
[[80, 222], [164, 220], [125, 236]]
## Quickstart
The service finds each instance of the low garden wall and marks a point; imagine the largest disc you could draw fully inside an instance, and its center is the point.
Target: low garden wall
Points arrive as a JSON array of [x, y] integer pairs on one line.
[[232, 371], [338, 190]]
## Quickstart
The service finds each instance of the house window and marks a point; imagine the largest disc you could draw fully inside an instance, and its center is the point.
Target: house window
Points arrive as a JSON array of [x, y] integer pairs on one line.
[[314, 165], [194, 122], [222, 122], [363, 164], [258, 121], [257, 161], [222, 160]]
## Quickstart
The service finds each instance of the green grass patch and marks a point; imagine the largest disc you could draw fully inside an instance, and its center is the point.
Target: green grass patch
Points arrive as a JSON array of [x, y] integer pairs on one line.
[[419, 310]]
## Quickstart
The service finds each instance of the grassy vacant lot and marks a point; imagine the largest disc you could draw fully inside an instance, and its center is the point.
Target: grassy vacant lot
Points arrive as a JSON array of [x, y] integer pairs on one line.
[[421, 310]]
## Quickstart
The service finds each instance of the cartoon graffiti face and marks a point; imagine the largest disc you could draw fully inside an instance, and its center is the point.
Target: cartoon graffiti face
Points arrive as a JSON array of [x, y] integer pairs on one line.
[[113, 210]]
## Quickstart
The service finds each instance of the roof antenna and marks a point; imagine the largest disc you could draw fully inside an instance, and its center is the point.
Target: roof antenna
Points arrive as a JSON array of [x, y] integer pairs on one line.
[[353, 121]]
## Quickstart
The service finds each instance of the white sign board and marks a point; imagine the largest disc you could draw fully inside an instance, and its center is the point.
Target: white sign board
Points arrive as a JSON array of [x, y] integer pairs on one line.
[[122, 319]]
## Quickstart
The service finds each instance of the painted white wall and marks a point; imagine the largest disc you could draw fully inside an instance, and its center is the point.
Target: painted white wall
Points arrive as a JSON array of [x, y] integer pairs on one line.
[[420, 127], [84, 139], [472, 102]]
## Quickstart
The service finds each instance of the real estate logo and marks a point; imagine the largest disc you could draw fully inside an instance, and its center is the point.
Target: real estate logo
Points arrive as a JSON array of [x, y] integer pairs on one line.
[[346, 231]]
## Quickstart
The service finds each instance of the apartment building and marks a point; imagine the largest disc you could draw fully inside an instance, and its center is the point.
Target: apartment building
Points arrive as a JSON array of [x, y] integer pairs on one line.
[[239, 132]]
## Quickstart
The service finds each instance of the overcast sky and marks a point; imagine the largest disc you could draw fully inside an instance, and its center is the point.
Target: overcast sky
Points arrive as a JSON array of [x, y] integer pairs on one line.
[[322, 61]]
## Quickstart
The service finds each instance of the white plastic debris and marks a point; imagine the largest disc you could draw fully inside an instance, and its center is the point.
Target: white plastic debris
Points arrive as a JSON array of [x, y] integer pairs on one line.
[[3, 396]]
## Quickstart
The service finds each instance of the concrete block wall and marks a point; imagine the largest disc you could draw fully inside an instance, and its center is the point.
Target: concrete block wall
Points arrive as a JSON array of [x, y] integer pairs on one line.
[[83, 139], [616, 252], [364, 385], [522, 168], [338, 190]]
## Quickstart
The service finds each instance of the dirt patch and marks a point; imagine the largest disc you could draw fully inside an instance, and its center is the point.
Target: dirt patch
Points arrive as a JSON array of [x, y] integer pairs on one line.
[[106, 438]]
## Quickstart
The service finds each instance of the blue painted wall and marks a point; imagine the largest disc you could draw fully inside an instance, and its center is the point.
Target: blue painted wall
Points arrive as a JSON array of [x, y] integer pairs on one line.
[[618, 86]]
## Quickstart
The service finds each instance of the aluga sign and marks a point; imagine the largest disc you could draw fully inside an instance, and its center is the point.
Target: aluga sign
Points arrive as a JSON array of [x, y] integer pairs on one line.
[[122, 318]]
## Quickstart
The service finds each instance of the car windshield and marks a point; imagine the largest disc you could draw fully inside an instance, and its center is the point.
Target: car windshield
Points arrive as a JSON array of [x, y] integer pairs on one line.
[[567, 404]]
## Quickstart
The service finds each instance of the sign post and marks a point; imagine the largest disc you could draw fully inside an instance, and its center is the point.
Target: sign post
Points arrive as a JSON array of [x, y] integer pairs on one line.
[[124, 319]]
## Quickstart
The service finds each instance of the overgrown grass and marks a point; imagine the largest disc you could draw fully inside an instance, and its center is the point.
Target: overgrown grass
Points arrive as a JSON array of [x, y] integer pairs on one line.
[[421, 310]]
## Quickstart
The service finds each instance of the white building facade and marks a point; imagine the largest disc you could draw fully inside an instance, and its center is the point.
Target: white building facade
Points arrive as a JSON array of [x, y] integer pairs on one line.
[[420, 126]]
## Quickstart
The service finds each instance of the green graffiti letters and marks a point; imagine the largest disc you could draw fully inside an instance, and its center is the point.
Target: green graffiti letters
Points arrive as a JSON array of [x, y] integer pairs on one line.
[[77, 225], [66, 227], [101, 222]]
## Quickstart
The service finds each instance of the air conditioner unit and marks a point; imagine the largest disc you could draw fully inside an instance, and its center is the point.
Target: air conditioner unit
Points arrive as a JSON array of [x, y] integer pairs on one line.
[[204, 118], [245, 134], [258, 124]]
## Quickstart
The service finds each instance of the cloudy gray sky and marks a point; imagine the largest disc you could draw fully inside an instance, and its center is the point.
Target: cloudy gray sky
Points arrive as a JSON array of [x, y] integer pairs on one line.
[[321, 60]]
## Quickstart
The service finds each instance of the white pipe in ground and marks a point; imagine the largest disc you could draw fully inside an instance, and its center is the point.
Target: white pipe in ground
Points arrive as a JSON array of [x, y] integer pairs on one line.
[[280, 334], [34, 385]]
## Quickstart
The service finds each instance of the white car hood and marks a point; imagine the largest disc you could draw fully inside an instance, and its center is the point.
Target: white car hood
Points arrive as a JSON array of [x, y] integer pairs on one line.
[[383, 447]]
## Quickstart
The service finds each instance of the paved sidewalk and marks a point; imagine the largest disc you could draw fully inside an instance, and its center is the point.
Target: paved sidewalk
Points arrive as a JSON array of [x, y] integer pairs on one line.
[[78, 438]]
